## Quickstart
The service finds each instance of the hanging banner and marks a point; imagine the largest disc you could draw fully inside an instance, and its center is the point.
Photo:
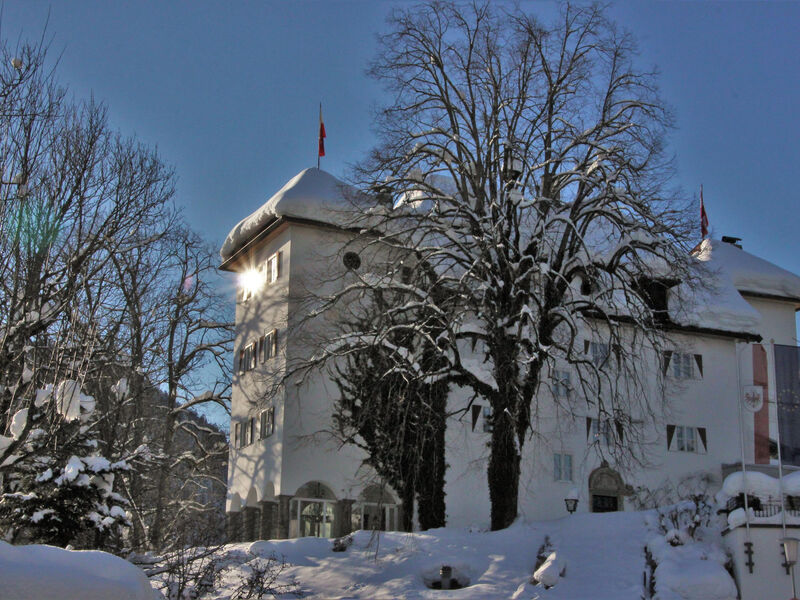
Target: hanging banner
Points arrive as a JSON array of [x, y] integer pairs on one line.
[[787, 388]]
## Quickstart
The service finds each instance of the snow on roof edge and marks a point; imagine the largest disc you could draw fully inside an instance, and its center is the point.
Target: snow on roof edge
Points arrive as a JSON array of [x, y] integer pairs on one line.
[[312, 194]]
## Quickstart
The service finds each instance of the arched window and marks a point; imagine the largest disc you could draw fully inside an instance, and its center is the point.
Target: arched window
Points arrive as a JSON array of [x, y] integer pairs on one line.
[[376, 509], [311, 511]]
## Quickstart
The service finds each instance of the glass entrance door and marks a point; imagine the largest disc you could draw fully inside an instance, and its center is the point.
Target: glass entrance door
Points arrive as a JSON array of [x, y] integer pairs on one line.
[[602, 503], [314, 518]]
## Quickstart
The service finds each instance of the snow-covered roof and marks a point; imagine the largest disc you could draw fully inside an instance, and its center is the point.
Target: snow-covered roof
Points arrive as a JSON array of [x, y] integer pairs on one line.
[[726, 272], [749, 273], [713, 303], [312, 194]]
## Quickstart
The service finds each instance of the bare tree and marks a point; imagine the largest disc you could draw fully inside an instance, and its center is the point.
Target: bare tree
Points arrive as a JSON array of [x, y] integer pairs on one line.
[[102, 289], [519, 194], [173, 332], [72, 195]]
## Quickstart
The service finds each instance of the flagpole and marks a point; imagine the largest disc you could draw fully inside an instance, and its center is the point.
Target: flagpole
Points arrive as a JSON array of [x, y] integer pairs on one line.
[[320, 120], [772, 392], [741, 440]]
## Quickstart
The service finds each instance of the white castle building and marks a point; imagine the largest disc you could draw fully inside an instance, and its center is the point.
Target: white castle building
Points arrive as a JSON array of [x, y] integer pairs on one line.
[[282, 483]]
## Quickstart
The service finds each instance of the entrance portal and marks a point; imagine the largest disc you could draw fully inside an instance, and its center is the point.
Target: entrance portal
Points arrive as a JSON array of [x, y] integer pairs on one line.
[[607, 489]]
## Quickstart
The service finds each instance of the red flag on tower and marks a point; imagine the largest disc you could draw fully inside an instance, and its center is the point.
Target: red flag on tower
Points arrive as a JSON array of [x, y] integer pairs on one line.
[[703, 216], [321, 133]]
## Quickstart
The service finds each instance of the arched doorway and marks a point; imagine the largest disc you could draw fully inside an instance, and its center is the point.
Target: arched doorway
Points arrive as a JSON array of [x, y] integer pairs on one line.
[[607, 489], [376, 509], [311, 511]]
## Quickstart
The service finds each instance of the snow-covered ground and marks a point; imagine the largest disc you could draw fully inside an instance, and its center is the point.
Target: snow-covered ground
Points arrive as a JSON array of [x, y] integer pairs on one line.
[[601, 556], [49, 573], [586, 556]]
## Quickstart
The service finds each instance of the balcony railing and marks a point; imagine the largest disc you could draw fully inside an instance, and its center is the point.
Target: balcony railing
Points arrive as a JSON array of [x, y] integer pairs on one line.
[[765, 507]]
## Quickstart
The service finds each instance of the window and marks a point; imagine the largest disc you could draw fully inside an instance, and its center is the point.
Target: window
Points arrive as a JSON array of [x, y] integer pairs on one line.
[[351, 261], [273, 268], [270, 349], [599, 430], [267, 422], [682, 365], [247, 358], [562, 467], [237, 435], [599, 352], [246, 433], [561, 384], [684, 438], [487, 419]]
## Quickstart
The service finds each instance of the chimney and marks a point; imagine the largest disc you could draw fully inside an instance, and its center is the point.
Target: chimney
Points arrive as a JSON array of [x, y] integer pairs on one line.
[[734, 241]]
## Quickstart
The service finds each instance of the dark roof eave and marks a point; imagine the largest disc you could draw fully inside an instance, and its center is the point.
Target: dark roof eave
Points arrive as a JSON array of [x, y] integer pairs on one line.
[[669, 324], [792, 299], [229, 263]]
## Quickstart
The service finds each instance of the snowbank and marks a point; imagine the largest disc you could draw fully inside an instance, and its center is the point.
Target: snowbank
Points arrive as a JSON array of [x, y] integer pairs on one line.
[[50, 573], [753, 483]]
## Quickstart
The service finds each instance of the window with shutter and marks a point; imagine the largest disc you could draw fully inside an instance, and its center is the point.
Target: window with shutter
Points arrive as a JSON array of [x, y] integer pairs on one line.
[[685, 438], [267, 422], [487, 419]]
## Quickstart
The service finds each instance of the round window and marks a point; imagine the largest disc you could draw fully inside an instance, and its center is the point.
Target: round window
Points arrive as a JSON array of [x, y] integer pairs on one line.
[[351, 260]]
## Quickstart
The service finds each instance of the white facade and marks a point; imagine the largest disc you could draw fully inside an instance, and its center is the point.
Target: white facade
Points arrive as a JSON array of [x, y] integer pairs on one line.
[[288, 478]]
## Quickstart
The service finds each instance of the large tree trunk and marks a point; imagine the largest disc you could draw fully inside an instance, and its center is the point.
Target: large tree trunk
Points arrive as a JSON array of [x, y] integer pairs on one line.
[[407, 498], [503, 473], [431, 505]]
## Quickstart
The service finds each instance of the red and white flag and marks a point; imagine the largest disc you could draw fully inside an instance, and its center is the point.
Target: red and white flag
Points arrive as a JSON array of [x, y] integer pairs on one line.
[[703, 216], [321, 133]]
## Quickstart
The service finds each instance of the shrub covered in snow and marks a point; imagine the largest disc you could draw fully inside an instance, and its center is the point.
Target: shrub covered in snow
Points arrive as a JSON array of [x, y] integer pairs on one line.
[[690, 563], [56, 486]]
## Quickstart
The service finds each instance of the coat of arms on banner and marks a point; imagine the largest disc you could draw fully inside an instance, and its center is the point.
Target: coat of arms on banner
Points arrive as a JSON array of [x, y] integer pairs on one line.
[[753, 397]]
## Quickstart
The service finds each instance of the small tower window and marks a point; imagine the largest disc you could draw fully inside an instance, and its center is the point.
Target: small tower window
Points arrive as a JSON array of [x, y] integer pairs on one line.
[[351, 261]]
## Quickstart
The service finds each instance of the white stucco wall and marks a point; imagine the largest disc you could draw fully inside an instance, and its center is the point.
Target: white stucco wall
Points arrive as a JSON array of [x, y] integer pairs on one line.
[[258, 466], [769, 580], [300, 451]]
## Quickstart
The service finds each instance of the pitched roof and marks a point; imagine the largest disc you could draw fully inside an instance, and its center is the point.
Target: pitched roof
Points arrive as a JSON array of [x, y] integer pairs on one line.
[[748, 272]]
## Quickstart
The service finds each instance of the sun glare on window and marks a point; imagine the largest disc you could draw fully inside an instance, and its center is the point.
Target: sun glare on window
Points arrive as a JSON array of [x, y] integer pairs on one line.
[[251, 281]]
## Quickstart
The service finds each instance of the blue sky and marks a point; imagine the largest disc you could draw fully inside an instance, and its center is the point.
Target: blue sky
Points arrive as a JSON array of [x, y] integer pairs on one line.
[[229, 93]]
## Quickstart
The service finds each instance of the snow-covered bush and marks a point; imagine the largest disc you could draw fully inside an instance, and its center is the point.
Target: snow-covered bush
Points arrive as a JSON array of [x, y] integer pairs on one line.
[[687, 552], [56, 486], [680, 522]]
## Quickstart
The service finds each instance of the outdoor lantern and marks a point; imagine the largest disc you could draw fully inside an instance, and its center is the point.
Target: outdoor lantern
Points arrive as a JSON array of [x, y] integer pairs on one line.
[[571, 501], [512, 167]]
